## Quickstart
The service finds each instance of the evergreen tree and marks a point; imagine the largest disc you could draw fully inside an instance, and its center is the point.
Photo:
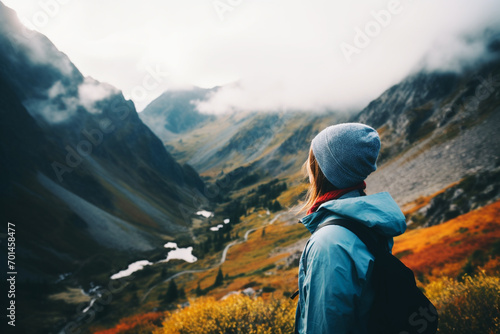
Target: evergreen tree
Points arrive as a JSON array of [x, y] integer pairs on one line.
[[172, 292], [198, 291], [276, 206], [182, 293], [219, 279]]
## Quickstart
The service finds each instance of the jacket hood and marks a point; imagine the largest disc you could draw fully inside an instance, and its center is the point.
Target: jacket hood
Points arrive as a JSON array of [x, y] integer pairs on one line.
[[378, 211]]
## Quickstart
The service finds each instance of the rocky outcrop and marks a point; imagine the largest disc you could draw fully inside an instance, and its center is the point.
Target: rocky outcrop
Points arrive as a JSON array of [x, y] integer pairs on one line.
[[476, 190]]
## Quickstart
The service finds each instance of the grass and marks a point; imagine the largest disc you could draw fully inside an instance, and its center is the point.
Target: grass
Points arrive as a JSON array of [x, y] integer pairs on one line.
[[433, 253], [250, 260], [71, 296], [445, 249], [470, 305]]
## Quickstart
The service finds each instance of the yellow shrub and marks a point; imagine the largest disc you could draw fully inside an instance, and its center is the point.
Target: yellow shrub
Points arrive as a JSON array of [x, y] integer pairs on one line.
[[235, 314], [471, 306]]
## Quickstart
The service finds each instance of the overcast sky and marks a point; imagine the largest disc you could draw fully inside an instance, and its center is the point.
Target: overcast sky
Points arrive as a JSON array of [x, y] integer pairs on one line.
[[269, 54]]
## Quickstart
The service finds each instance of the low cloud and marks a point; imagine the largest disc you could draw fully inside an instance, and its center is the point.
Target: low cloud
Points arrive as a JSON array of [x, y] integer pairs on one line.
[[314, 73], [41, 52], [60, 104], [92, 91], [270, 55]]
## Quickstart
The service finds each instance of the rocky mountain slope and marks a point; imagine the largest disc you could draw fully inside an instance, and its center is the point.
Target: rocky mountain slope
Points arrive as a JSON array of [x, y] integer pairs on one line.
[[80, 172], [439, 160], [436, 128]]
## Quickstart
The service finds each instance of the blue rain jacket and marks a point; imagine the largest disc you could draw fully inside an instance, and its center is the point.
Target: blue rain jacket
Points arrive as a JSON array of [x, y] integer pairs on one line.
[[335, 294]]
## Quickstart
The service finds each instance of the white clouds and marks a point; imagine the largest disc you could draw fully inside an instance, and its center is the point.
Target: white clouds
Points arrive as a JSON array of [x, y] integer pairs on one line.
[[61, 105], [92, 91], [282, 53], [40, 52]]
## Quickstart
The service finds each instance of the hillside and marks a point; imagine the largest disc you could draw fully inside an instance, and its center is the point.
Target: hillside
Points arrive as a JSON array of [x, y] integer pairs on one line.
[[456, 247], [249, 139], [88, 186], [436, 127], [439, 161], [262, 266], [97, 190]]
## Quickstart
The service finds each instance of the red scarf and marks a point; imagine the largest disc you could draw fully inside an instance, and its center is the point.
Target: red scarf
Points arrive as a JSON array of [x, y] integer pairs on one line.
[[334, 194]]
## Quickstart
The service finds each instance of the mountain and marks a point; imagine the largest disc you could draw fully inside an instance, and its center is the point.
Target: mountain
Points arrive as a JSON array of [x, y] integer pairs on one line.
[[431, 125], [249, 145], [174, 112], [81, 177], [436, 128], [90, 188], [439, 160]]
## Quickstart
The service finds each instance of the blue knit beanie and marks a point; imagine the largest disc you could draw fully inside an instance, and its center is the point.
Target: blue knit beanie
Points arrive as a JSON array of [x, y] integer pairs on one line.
[[346, 153]]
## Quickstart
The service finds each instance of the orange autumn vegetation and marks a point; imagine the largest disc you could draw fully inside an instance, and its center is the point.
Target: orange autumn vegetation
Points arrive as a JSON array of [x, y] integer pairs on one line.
[[436, 251], [443, 249], [235, 314], [146, 322]]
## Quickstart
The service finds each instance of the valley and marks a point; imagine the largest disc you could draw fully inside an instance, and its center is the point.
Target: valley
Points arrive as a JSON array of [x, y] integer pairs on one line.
[[125, 215]]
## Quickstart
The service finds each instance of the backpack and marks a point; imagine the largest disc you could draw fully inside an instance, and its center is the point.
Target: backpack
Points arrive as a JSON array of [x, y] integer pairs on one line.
[[399, 306]]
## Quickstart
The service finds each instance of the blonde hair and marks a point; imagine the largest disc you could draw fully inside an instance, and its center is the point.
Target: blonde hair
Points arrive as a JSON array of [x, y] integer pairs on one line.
[[319, 184]]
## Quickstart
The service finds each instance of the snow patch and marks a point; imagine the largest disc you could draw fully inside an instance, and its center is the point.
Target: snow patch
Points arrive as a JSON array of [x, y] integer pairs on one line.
[[132, 268], [204, 213], [216, 228]]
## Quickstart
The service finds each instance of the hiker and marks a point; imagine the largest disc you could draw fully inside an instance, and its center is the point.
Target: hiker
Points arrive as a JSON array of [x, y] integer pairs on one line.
[[335, 292]]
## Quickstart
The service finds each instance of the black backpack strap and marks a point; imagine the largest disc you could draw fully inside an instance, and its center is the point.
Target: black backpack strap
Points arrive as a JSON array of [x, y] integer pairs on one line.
[[374, 241]]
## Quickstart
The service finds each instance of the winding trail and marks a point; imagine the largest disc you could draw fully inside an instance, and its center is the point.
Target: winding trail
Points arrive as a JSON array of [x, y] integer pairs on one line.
[[222, 260]]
